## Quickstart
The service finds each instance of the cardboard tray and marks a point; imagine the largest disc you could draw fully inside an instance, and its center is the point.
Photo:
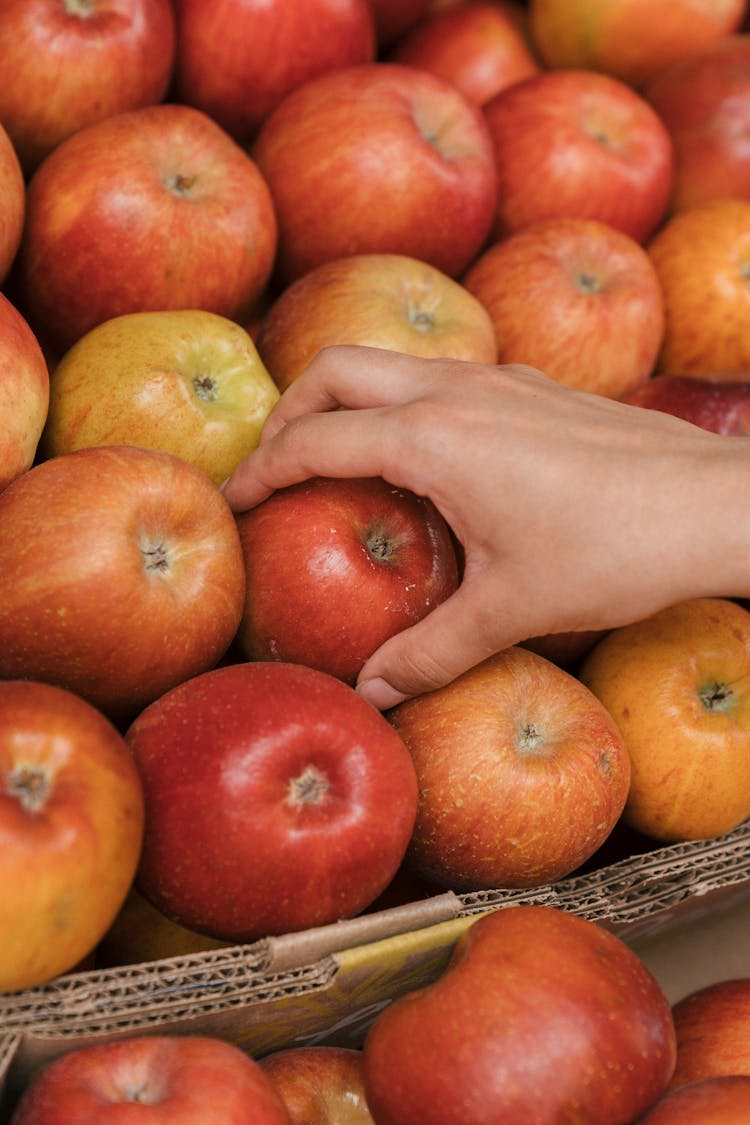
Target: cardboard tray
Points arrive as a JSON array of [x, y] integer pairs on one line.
[[327, 985]]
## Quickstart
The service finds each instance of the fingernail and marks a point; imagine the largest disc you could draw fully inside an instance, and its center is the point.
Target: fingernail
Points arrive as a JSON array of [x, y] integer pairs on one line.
[[380, 694]]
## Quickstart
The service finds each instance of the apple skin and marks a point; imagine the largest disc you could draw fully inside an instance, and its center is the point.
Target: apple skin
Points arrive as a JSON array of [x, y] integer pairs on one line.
[[704, 101], [336, 567], [714, 1101], [479, 46], [140, 932], [173, 1079], [576, 144], [274, 46], [319, 1085], [277, 799], [699, 257], [540, 1016], [13, 195], [71, 820], [366, 159], [379, 300], [67, 65], [123, 575], [24, 393], [394, 18], [713, 1032], [719, 405], [186, 382], [634, 40], [515, 724], [678, 686], [150, 210], [576, 298]]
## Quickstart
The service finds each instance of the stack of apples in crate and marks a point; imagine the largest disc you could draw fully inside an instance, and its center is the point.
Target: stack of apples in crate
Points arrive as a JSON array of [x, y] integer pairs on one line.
[[195, 200]]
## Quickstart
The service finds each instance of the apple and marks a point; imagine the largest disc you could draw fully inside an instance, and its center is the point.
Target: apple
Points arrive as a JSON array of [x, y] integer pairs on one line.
[[713, 1032], [478, 45], [336, 567], [576, 298], [319, 1085], [169, 1079], [634, 40], [187, 382], [13, 195], [704, 101], [24, 393], [700, 256], [69, 63], [145, 211], [577, 144], [394, 18], [566, 649], [540, 1016], [381, 300], [277, 799], [716, 404], [139, 933], [678, 686], [714, 1101], [379, 158], [123, 575], [71, 823], [274, 46], [522, 774]]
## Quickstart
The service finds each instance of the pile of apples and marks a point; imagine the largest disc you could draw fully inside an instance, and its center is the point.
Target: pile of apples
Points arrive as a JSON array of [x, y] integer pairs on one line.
[[195, 198]]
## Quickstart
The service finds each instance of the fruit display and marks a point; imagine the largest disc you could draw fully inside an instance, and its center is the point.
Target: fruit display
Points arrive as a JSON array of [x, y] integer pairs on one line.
[[196, 199]]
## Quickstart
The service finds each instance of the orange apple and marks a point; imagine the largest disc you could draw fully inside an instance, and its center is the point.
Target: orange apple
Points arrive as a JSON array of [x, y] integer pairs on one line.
[[13, 211], [576, 298], [631, 39], [381, 300], [522, 774], [678, 686], [702, 260], [712, 1025], [24, 393], [140, 932]]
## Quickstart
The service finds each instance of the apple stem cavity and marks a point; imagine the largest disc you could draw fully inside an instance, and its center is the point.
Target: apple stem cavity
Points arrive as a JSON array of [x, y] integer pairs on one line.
[[205, 388], [156, 557], [420, 319], [309, 788], [379, 546], [179, 184], [529, 738], [30, 785], [82, 8], [588, 283], [716, 697]]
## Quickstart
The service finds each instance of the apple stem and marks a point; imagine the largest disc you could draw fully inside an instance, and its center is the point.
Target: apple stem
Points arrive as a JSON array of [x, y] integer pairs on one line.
[[529, 737], [716, 697], [30, 785], [309, 788]]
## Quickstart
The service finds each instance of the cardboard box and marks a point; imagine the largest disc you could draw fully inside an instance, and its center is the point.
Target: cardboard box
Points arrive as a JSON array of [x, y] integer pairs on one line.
[[327, 985]]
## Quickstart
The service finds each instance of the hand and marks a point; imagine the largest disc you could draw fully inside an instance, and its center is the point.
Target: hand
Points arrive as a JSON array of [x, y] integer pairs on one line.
[[575, 512]]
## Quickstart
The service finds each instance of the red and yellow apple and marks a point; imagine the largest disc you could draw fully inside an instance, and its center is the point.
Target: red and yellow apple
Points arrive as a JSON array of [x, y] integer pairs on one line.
[[713, 1101], [718, 404], [713, 1031], [319, 1085], [24, 393], [13, 196]]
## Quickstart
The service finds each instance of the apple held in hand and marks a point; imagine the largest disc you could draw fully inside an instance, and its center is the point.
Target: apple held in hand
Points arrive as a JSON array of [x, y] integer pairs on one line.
[[380, 300], [541, 1016], [151, 210], [716, 404], [185, 382], [714, 1101], [71, 822], [336, 567], [522, 774], [168, 1079], [378, 158], [277, 799], [713, 1032], [576, 298], [678, 686], [24, 393], [123, 575], [319, 1085]]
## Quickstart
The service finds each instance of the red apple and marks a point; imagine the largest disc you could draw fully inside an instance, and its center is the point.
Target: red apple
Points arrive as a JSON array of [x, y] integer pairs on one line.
[[24, 393], [274, 46], [277, 799], [336, 567], [394, 18], [167, 1079], [123, 575], [720, 405], [573, 143], [379, 300], [379, 158], [541, 1016], [481, 46], [69, 63], [713, 1032], [576, 298], [13, 195], [714, 1101], [522, 774], [705, 103], [150, 210], [319, 1085], [71, 822]]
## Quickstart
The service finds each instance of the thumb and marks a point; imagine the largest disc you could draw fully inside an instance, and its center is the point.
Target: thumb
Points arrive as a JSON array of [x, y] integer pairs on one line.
[[455, 636]]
